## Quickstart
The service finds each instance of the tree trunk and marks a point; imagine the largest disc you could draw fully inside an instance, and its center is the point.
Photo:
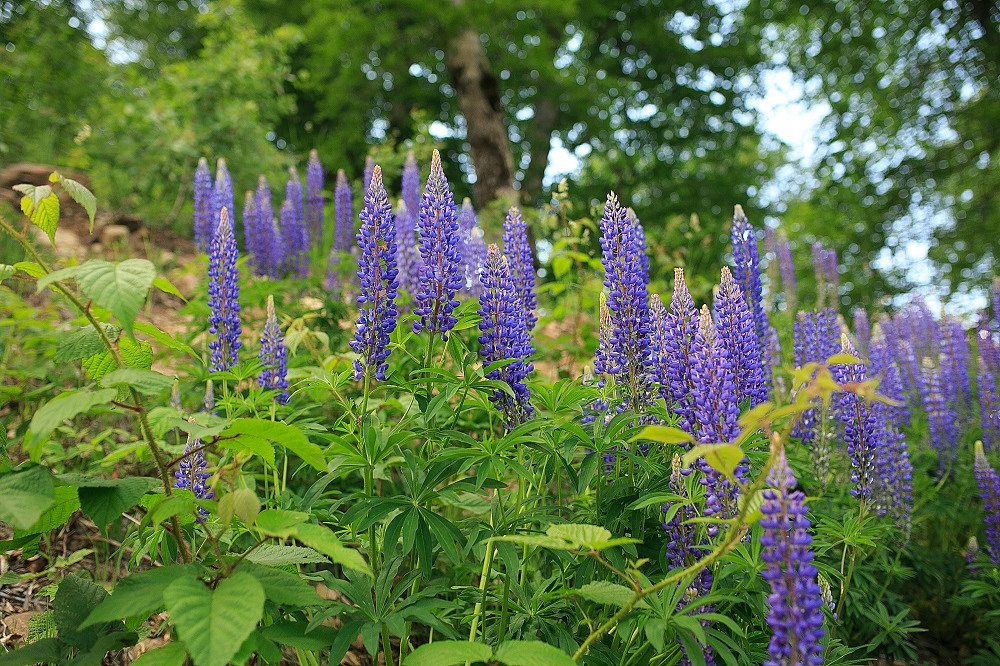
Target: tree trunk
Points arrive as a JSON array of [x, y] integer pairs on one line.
[[539, 138], [486, 129]]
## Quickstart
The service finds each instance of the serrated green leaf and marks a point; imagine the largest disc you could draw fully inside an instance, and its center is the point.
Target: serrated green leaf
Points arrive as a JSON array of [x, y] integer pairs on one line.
[[326, 542], [140, 594], [147, 382], [120, 288], [275, 555], [532, 653], [67, 273], [84, 343], [580, 535], [165, 339], [213, 624], [45, 651], [64, 407], [81, 195], [241, 502], [287, 436], [135, 354], [30, 268], [25, 496], [171, 654], [41, 205], [282, 587], [74, 601], [448, 653], [104, 500], [65, 503], [280, 523], [608, 593]]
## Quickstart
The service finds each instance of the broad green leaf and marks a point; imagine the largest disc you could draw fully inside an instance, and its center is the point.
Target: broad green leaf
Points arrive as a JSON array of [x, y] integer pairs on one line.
[[30, 268], [252, 443], [664, 435], [282, 587], [135, 354], [64, 407], [45, 651], [42, 208], [170, 506], [121, 288], [326, 542], [539, 540], [165, 339], [608, 593], [61, 275], [75, 599], [171, 654], [164, 285], [241, 502], [280, 523], [448, 653], [287, 436], [532, 653], [140, 594], [723, 458], [580, 535], [65, 503], [294, 634], [84, 343], [147, 382], [213, 624], [104, 500], [25, 496], [81, 195], [276, 555]]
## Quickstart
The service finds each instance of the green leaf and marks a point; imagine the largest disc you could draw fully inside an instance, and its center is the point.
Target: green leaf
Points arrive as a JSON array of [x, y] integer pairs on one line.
[[164, 285], [241, 502], [722, 458], [44, 215], [84, 343], [81, 195], [294, 634], [25, 496], [121, 288], [664, 435], [135, 354], [165, 339], [61, 275], [6, 270], [171, 654], [448, 653], [45, 651], [41, 626], [104, 500], [213, 624], [275, 555], [280, 523], [326, 542], [532, 653], [140, 594], [580, 535], [52, 414], [75, 599], [287, 436], [30, 268], [64, 505], [147, 382], [608, 593], [282, 587]]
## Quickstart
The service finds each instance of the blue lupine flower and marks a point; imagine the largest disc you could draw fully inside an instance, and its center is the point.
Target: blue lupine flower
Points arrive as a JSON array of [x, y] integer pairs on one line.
[[377, 278], [989, 492], [314, 197], [517, 249], [786, 266], [253, 233], [746, 271], [407, 255], [472, 248], [942, 421], [504, 336], [955, 367], [273, 356], [440, 270], [222, 195], [294, 231], [271, 250], [343, 232], [204, 225], [862, 433], [736, 331], [369, 170], [191, 474], [796, 616], [640, 244], [672, 354], [989, 398], [629, 359], [224, 296], [862, 331]]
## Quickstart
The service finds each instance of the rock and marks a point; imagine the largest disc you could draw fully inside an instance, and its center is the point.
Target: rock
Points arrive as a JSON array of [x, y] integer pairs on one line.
[[114, 233]]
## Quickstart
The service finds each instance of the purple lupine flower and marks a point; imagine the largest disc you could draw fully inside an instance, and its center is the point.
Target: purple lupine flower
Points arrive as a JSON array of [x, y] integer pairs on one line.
[[504, 336], [407, 254], [955, 367], [440, 271], [203, 222], [989, 492], [862, 331], [271, 252], [273, 356], [891, 385], [377, 277], [989, 401], [314, 197], [253, 233], [819, 261], [294, 231], [736, 331], [224, 296], [746, 271], [369, 171], [601, 359], [222, 195], [716, 412], [996, 301], [343, 232], [786, 267], [640, 244], [796, 617], [805, 346], [472, 247], [942, 427], [673, 345], [828, 334], [517, 249], [989, 350], [862, 434], [684, 548], [831, 267], [191, 474], [628, 300]]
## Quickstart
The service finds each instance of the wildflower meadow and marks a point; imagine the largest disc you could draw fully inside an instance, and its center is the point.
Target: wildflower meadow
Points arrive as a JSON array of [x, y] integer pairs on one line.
[[383, 427]]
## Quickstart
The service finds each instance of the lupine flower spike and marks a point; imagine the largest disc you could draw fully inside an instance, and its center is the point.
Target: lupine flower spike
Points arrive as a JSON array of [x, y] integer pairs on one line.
[[736, 330], [343, 231], [786, 266], [796, 617], [440, 270], [746, 271], [407, 255], [295, 233], [989, 492], [366, 178], [222, 194], [504, 336], [377, 278], [273, 356], [224, 297], [522, 262], [204, 225], [253, 236], [314, 197], [472, 248], [673, 359], [191, 474], [271, 252]]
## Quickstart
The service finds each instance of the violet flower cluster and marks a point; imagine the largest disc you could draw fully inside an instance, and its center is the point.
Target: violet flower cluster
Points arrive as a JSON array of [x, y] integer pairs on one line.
[[521, 259], [746, 271], [472, 248], [270, 246], [294, 232], [989, 492], [224, 297], [796, 616], [674, 334], [988, 396], [314, 197], [407, 254], [377, 278], [222, 196], [204, 225], [191, 474], [861, 431], [440, 271], [343, 231], [504, 336], [273, 356], [827, 273], [786, 267], [737, 333]]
